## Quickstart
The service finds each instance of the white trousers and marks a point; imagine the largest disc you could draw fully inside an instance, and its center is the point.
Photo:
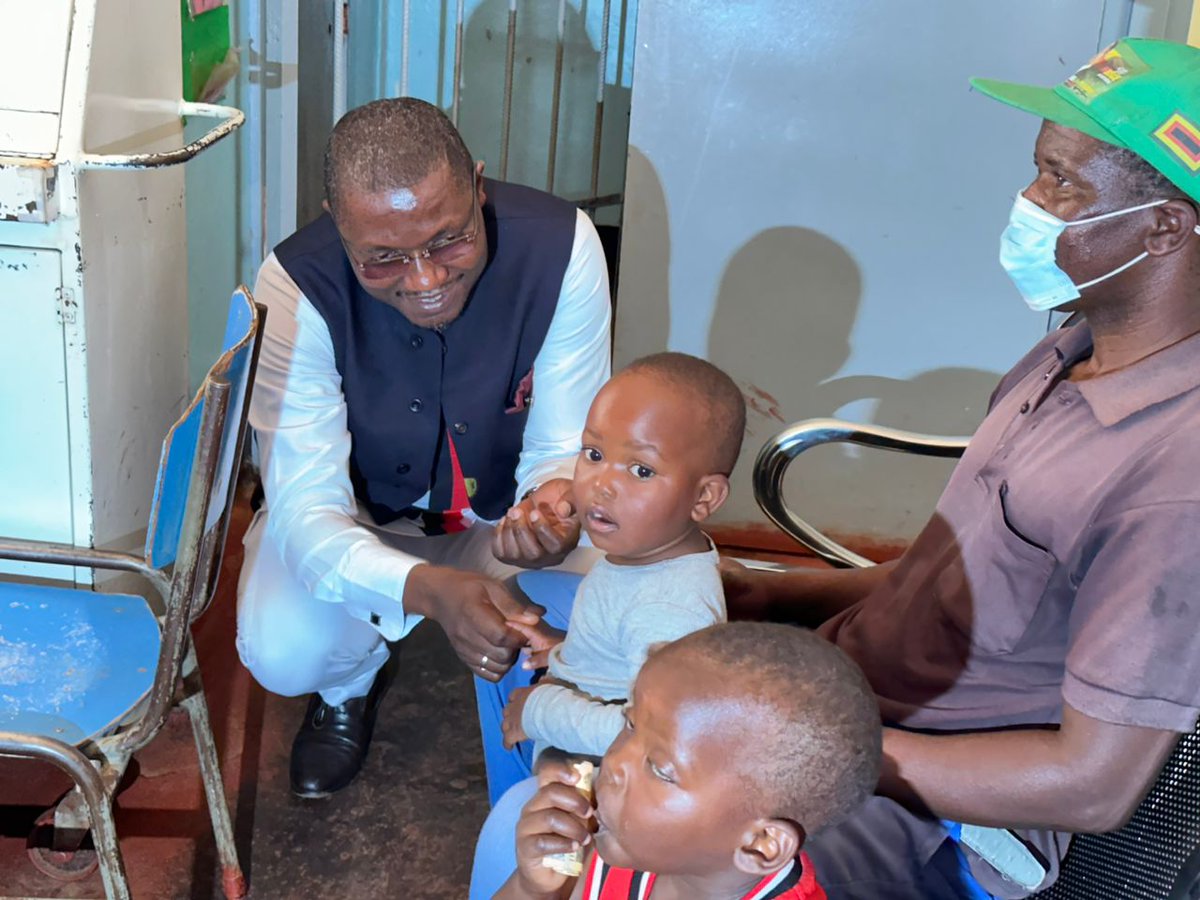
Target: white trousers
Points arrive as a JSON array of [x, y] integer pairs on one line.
[[294, 644]]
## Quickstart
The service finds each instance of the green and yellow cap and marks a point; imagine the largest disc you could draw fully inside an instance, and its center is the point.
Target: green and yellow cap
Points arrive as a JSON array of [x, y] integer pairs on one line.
[[1140, 94]]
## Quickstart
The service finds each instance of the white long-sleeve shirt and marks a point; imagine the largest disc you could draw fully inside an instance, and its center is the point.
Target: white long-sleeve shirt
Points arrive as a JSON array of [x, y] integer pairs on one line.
[[298, 413]]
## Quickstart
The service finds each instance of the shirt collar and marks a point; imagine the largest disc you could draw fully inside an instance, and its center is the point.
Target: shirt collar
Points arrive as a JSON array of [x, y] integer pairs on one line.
[[1155, 379]]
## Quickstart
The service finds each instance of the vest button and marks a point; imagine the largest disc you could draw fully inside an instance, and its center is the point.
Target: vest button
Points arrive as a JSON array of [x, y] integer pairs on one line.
[[416, 405], [1025, 407], [403, 468], [460, 427], [417, 341]]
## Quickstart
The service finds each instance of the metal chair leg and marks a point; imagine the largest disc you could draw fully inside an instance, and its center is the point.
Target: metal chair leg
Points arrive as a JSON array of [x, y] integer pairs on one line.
[[95, 794], [104, 836], [233, 882]]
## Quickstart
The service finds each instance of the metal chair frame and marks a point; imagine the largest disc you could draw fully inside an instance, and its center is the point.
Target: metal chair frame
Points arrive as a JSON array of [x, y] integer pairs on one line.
[[97, 766], [1096, 866]]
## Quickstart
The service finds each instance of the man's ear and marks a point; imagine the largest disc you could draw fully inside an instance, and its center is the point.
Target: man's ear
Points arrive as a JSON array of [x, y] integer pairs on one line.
[[712, 492], [1173, 227], [479, 178], [768, 847], [325, 206]]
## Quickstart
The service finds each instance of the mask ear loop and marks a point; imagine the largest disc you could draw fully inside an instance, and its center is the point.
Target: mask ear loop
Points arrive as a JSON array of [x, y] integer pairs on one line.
[[1115, 212], [1118, 270], [1136, 259]]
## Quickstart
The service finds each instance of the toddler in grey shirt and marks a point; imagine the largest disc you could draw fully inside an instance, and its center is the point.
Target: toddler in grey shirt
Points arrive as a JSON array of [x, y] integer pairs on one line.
[[660, 442]]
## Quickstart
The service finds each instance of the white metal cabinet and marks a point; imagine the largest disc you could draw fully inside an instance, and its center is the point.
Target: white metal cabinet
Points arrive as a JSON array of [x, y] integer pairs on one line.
[[93, 263], [33, 408]]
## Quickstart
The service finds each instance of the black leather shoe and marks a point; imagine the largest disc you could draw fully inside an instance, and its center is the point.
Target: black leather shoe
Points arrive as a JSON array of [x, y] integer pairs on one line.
[[332, 743]]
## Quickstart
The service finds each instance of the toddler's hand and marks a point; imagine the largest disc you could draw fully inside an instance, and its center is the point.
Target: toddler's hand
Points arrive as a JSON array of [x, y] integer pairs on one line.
[[556, 820], [542, 639], [540, 530], [511, 726]]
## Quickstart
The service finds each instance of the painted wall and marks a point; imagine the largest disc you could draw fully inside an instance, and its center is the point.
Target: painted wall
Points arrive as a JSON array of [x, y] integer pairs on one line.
[[813, 202]]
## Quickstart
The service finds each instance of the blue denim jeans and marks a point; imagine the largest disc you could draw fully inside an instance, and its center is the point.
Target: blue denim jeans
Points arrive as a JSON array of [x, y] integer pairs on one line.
[[556, 592]]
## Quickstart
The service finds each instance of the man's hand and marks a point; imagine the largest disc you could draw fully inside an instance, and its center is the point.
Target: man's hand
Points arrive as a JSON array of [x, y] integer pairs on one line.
[[540, 530], [474, 611], [514, 733], [746, 594], [540, 640], [556, 820], [800, 596]]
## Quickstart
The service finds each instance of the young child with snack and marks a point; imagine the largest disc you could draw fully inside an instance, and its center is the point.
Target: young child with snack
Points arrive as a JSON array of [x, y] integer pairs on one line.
[[740, 741]]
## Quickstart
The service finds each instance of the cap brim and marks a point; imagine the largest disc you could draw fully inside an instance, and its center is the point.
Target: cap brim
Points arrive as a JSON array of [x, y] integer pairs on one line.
[[1047, 103]]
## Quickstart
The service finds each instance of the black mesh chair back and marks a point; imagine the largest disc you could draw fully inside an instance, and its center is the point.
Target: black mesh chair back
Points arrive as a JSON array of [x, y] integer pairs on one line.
[[1154, 857]]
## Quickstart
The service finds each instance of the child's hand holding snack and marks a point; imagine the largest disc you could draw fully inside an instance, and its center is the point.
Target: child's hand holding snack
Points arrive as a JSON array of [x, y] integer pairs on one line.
[[557, 822]]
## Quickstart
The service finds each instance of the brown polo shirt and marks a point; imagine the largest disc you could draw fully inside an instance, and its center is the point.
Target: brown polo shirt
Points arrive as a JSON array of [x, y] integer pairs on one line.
[[1061, 564], [1063, 561]]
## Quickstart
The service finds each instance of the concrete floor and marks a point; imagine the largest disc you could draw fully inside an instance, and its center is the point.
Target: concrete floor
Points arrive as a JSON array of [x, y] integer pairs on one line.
[[404, 829]]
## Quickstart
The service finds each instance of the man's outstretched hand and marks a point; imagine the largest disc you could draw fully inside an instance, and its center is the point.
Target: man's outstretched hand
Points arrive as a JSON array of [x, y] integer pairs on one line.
[[474, 611], [540, 530]]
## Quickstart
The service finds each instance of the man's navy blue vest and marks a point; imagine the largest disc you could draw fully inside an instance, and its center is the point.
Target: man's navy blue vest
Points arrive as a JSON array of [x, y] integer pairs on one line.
[[409, 389]]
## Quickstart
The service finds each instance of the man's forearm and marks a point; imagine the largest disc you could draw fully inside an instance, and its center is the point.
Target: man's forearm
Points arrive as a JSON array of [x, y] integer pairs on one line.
[[811, 596], [1078, 778]]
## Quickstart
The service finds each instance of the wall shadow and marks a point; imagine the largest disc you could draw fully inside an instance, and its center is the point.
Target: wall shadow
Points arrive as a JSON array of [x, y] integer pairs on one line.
[[645, 326], [786, 308]]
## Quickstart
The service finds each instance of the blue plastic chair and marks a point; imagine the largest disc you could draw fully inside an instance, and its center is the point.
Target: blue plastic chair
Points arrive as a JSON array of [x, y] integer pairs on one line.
[[86, 678]]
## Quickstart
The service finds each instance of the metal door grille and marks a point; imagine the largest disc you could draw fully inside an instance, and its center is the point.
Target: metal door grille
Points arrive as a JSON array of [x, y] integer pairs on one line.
[[539, 88]]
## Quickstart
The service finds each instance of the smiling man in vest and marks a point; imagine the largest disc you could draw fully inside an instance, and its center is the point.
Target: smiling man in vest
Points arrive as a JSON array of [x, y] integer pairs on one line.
[[431, 348]]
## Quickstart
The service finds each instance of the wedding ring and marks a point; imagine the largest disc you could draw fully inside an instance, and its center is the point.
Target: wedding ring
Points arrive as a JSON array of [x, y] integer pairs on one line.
[[483, 662]]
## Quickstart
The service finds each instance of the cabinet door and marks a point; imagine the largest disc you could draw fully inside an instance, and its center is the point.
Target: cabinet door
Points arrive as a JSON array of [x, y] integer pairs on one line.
[[35, 470]]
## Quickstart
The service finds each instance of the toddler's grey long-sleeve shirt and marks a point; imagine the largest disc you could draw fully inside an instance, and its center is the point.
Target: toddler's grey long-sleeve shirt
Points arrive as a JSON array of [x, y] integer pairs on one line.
[[619, 612]]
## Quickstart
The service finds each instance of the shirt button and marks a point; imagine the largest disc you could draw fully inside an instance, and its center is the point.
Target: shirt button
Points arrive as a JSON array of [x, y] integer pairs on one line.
[[1024, 406], [417, 341], [460, 427], [403, 468], [416, 405]]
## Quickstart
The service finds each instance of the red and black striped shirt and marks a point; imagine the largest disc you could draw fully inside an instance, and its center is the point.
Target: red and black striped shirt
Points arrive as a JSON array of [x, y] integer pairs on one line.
[[795, 881]]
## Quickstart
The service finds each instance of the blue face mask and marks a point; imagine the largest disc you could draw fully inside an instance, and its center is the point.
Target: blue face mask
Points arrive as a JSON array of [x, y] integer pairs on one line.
[[1027, 253]]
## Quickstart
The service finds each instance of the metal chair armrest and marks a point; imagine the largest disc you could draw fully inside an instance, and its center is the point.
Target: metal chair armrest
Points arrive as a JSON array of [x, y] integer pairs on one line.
[[70, 555], [778, 453]]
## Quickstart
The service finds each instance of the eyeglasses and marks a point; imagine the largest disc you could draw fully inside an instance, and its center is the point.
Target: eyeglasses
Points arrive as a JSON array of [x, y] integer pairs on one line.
[[440, 253]]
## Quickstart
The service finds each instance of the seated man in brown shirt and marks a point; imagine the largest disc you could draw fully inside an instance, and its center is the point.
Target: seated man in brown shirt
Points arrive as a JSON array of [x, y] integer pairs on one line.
[[1037, 649]]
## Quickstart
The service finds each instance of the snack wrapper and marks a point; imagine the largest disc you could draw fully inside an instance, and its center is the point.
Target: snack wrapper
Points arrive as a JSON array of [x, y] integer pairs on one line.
[[571, 864]]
